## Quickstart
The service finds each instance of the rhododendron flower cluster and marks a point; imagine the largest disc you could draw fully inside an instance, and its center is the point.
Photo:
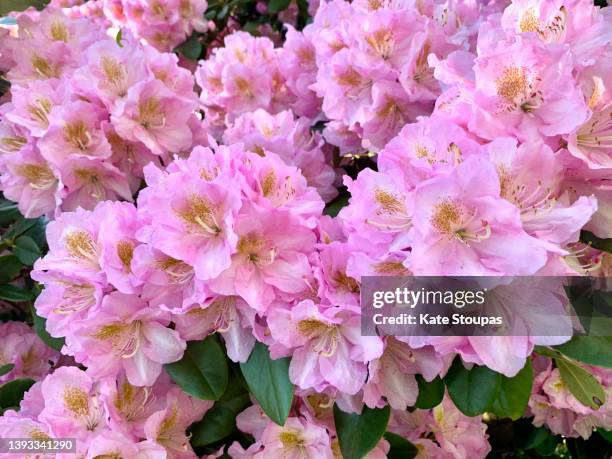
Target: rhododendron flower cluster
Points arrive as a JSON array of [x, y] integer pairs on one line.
[[188, 204], [87, 113], [163, 24], [106, 416]]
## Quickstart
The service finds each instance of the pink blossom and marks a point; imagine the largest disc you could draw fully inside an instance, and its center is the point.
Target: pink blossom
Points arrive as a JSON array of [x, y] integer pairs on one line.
[[72, 405], [270, 255], [193, 220], [328, 349], [22, 347], [461, 225], [167, 426], [292, 140], [74, 132], [126, 334], [155, 116], [230, 316]]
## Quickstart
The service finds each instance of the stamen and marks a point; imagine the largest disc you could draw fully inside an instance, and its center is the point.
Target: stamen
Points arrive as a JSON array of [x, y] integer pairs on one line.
[[199, 215]]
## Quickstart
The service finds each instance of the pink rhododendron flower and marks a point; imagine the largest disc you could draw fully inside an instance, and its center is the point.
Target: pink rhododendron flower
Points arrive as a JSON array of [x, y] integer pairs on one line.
[[328, 349], [270, 255], [461, 225], [292, 140], [125, 334], [392, 375], [195, 225], [22, 348]]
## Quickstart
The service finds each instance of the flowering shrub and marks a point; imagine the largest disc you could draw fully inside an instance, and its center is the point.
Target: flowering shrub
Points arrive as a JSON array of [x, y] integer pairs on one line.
[[205, 185]]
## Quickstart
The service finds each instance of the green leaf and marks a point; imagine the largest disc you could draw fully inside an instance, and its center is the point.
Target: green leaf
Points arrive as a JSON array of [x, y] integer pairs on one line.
[[400, 447], [268, 381], [581, 384], [334, 207], [276, 6], [11, 393], [37, 232], [191, 48], [8, 209], [4, 369], [607, 434], [15, 294], [430, 393], [358, 434], [252, 27], [21, 226], [7, 6], [593, 350], [119, 38], [26, 250], [474, 390], [10, 267], [220, 421], [514, 394], [40, 326], [595, 242], [537, 436], [548, 446], [202, 372]]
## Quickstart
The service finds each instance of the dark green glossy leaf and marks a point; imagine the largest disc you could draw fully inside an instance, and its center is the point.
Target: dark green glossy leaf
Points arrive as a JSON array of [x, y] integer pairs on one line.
[[514, 394], [8, 211], [594, 350], [400, 448], [4, 369], [220, 421], [202, 372], [358, 434], [334, 207], [7, 6], [192, 48], [548, 446], [15, 294], [607, 434], [596, 242], [10, 266], [268, 381], [474, 390], [11, 393], [40, 326], [537, 436], [430, 393], [26, 250], [276, 6]]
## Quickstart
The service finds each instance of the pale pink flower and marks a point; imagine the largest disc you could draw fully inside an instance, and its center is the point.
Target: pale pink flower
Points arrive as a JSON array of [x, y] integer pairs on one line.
[[271, 254], [327, 346], [74, 132], [461, 225], [167, 427], [392, 375], [22, 347], [192, 220], [126, 334], [229, 316], [155, 116], [72, 405], [32, 183]]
